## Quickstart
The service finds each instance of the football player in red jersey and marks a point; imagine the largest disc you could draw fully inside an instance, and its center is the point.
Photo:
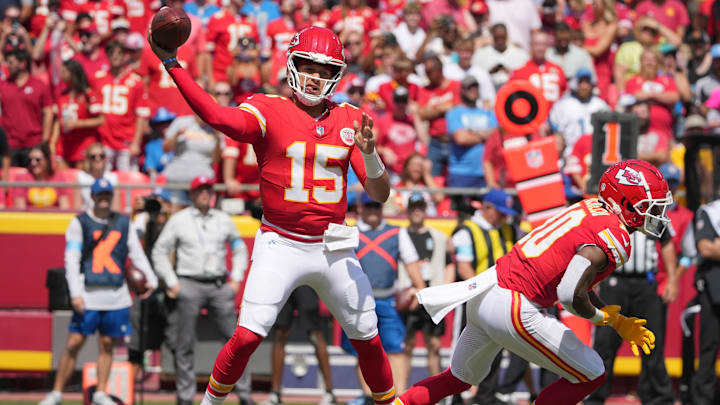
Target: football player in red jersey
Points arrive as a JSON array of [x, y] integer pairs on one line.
[[304, 146], [559, 261]]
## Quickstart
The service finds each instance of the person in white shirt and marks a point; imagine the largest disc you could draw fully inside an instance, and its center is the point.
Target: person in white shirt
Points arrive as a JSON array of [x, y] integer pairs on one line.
[[95, 167], [97, 244], [408, 33], [465, 49], [521, 18], [500, 58], [571, 115], [569, 56]]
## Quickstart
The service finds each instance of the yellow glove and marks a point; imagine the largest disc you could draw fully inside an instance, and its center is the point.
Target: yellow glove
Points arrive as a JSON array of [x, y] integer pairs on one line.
[[632, 331], [611, 313]]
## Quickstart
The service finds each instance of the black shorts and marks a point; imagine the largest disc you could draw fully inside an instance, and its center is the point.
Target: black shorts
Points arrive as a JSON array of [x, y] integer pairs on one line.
[[420, 320], [305, 301]]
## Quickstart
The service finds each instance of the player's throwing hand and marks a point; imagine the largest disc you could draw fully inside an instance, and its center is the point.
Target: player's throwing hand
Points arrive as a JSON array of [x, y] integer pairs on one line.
[[364, 136], [162, 53]]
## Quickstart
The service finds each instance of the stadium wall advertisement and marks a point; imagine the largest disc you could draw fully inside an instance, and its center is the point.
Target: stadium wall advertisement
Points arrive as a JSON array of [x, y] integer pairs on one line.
[[32, 243]]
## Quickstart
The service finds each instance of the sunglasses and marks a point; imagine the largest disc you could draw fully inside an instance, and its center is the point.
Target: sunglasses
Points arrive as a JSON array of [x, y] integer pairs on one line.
[[223, 93], [354, 43], [97, 156], [36, 159]]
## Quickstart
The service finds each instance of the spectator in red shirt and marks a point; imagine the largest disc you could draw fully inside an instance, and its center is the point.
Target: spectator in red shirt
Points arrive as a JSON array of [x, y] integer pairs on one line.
[[126, 109], [225, 30], [672, 14], [280, 31], [90, 55], [25, 107], [434, 100], [244, 74], [658, 90], [41, 197], [397, 137], [79, 115], [401, 70], [353, 16], [312, 12], [542, 73]]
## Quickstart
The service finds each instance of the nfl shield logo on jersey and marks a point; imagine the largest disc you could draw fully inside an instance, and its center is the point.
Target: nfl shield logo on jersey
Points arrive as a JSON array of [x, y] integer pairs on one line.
[[534, 158], [320, 131], [348, 136]]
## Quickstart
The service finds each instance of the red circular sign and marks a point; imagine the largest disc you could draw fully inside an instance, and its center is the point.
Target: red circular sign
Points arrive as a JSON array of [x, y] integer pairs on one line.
[[520, 107]]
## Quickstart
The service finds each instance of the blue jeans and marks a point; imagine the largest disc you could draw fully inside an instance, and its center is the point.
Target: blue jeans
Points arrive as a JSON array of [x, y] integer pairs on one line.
[[439, 154]]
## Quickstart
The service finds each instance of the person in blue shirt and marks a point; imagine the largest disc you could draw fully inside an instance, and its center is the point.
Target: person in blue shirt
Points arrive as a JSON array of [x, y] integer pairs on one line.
[[263, 11], [469, 126]]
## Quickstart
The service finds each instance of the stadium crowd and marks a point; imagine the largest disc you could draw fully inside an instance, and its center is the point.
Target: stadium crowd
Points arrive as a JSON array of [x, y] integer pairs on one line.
[[82, 97]]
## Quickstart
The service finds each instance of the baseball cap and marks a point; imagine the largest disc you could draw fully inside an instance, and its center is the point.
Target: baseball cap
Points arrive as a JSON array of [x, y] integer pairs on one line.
[[469, 81], [162, 115], [715, 51], [401, 94], [671, 173], [119, 24], [416, 200], [697, 37], [134, 41], [101, 186], [202, 181], [695, 121], [478, 7], [162, 194], [501, 200], [667, 48]]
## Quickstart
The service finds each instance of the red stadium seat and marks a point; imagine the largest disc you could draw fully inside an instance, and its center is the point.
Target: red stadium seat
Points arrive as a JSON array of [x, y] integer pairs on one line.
[[13, 174]]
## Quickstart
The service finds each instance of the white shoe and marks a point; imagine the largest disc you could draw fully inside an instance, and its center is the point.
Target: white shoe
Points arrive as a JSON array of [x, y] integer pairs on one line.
[[52, 398], [101, 398], [273, 399], [328, 399]]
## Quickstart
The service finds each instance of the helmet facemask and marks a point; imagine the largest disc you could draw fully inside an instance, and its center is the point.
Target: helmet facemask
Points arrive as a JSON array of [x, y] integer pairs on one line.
[[654, 211], [298, 81]]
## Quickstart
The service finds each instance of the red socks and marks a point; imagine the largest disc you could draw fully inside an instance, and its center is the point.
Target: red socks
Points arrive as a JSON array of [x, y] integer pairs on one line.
[[563, 392], [375, 368], [231, 361], [432, 389]]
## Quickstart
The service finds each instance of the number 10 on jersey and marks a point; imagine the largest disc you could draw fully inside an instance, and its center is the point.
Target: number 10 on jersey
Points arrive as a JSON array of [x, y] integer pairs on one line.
[[298, 154]]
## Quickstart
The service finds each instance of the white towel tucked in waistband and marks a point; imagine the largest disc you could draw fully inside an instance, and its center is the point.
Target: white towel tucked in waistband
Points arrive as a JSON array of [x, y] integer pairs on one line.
[[440, 300]]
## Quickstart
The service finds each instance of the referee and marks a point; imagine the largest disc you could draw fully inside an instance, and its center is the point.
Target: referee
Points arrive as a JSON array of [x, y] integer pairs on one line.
[[634, 288]]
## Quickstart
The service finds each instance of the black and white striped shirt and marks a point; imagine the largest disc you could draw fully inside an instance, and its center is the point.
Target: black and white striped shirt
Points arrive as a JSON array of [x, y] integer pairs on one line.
[[644, 253]]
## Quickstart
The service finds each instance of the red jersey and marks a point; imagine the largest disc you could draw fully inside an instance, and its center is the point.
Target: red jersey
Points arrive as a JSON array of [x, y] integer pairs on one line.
[[71, 108], [661, 119], [246, 166], [450, 93], [303, 164], [385, 91], [319, 20], [580, 158], [537, 263], [102, 12], [92, 66], [224, 30], [21, 111], [391, 14], [671, 13], [398, 135], [123, 100], [362, 20], [280, 33], [548, 76], [162, 91], [139, 12]]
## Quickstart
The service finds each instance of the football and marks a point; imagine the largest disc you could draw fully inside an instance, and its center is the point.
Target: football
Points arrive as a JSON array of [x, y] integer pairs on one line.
[[404, 298], [136, 280], [170, 28]]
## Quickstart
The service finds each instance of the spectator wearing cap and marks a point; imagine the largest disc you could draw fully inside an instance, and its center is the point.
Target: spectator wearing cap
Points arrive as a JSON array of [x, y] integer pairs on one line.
[[501, 57], [200, 236], [700, 60], [94, 167], [155, 157], [570, 57], [542, 73], [479, 242], [435, 269], [41, 170], [468, 126], [79, 114], [98, 243], [671, 14], [89, 53], [465, 49], [397, 136], [25, 108], [125, 106], [380, 250], [435, 100], [571, 115], [627, 58], [133, 45], [409, 34], [707, 85], [658, 90], [120, 28]]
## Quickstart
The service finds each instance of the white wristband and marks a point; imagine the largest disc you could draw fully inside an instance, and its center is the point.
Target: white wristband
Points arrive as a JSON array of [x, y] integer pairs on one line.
[[598, 317], [374, 167]]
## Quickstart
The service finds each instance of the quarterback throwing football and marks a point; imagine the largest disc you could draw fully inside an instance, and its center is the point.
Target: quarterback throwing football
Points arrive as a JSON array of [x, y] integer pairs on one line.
[[304, 146], [559, 261]]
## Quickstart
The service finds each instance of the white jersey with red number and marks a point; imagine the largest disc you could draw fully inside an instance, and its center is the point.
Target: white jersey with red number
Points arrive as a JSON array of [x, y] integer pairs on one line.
[[162, 91], [123, 100], [224, 30], [537, 263], [548, 76], [303, 164]]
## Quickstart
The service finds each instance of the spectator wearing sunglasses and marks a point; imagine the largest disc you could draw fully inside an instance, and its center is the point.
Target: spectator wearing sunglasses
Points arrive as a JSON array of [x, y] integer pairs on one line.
[[41, 169], [94, 167], [88, 51]]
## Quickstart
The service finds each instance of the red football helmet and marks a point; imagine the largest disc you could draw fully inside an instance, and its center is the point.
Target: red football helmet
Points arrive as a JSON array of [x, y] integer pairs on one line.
[[637, 192], [319, 45]]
